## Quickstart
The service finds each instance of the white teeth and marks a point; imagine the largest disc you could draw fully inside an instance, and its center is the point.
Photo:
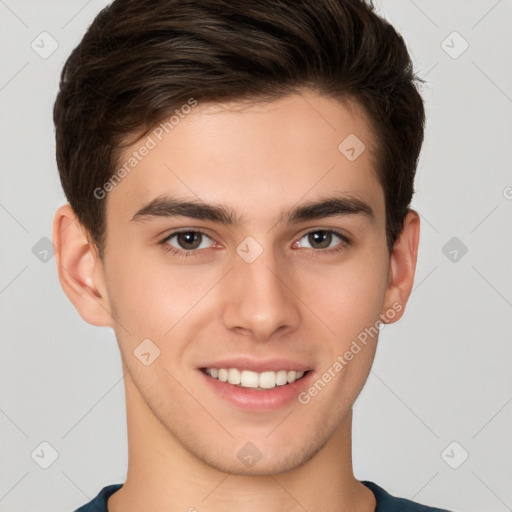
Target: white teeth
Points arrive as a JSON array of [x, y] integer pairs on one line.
[[281, 378], [233, 376], [250, 379], [267, 380]]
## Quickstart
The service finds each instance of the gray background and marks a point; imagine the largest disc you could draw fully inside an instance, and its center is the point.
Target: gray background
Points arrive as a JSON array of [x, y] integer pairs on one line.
[[441, 375]]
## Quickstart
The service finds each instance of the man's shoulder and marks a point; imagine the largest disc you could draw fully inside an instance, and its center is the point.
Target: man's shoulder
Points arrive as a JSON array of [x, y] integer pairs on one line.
[[385, 501], [388, 503], [99, 504]]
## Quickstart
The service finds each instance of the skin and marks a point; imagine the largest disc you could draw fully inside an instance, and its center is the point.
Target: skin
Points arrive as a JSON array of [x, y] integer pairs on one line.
[[295, 301]]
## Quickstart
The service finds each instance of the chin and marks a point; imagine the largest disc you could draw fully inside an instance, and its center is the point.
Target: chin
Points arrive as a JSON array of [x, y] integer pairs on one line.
[[261, 457]]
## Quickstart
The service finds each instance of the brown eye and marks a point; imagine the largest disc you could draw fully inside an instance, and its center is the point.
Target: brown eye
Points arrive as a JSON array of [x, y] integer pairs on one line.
[[320, 239], [189, 240], [323, 239]]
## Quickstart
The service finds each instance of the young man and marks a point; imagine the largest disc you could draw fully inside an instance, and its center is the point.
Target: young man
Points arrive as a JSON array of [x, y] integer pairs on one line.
[[239, 176]]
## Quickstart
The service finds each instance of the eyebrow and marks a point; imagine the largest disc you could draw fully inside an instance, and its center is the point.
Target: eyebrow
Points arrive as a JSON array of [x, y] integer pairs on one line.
[[333, 206]]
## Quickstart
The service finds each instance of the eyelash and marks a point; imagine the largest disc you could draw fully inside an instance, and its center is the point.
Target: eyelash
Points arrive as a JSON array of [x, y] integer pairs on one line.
[[195, 252]]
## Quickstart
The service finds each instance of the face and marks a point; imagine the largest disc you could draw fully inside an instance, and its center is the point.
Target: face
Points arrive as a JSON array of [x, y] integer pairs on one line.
[[245, 240]]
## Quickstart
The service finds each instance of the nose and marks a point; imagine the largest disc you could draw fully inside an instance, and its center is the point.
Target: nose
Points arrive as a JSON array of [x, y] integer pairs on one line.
[[259, 298]]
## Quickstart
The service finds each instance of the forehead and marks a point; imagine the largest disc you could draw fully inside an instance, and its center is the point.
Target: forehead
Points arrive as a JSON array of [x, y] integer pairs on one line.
[[255, 157]]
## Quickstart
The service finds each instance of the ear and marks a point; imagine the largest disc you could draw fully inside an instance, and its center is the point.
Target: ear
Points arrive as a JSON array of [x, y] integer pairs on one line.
[[402, 266], [80, 268]]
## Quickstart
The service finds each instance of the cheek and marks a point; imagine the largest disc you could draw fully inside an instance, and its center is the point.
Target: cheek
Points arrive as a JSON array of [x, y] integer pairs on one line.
[[150, 297], [349, 301], [349, 297]]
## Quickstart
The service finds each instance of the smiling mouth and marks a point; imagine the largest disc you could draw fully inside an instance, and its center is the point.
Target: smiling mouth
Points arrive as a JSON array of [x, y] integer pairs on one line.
[[262, 381]]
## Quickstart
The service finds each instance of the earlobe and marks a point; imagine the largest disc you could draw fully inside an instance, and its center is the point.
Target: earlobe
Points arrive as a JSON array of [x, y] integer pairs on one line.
[[402, 267], [80, 269]]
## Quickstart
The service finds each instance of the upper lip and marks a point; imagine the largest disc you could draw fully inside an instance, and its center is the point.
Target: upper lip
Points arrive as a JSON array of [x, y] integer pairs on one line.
[[257, 365]]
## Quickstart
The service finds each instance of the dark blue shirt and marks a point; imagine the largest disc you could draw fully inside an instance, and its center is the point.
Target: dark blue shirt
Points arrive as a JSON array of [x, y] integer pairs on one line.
[[385, 502]]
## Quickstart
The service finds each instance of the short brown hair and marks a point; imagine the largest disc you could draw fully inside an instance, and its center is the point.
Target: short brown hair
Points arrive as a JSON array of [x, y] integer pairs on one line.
[[141, 59]]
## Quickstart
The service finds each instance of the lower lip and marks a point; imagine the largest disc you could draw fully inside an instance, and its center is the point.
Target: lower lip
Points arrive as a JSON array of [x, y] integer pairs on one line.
[[258, 400]]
